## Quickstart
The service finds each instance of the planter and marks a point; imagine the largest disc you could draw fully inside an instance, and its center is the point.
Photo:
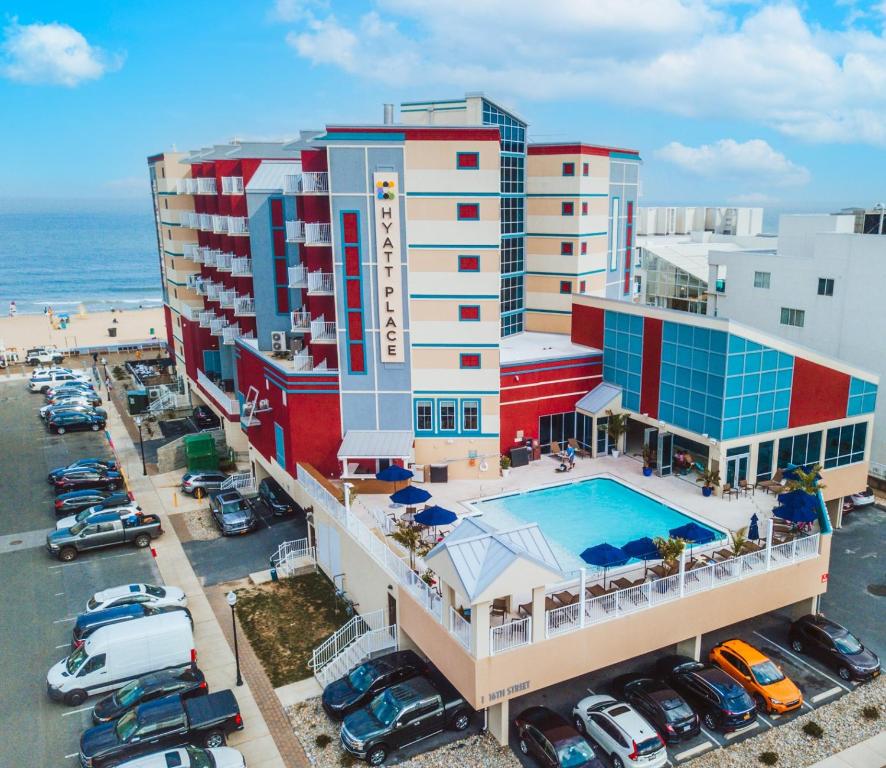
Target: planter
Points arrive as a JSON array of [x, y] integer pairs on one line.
[[706, 490], [647, 471], [506, 472], [615, 454]]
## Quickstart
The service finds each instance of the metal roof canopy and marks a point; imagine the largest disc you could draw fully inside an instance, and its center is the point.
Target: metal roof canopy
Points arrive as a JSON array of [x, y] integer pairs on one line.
[[376, 444], [598, 399]]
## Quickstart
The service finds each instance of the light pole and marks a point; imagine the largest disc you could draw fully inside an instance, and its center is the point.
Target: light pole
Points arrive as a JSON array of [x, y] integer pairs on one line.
[[141, 443], [232, 601]]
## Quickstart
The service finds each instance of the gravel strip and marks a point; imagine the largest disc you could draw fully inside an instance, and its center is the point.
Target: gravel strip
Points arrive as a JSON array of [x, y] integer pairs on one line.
[[200, 524], [842, 722]]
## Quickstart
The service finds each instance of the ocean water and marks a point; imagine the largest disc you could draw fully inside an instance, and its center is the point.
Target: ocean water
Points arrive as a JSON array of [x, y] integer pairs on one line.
[[64, 254]]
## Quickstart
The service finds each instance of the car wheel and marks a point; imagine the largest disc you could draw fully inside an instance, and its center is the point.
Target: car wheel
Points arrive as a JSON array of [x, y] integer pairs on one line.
[[845, 673], [797, 645], [94, 427], [524, 747], [60, 430], [142, 540], [762, 706], [616, 761], [75, 698], [377, 755], [214, 739], [67, 554], [461, 721], [709, 720], [580, 726]]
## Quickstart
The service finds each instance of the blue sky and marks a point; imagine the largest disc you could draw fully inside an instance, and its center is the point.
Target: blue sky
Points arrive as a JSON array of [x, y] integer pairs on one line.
[[776, 104]]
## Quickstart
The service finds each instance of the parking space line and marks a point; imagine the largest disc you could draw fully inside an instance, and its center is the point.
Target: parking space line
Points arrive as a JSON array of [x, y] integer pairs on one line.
[[764, 719], [76, 711], [711, 736], [801, 661], [68, 757], [63, 645], [62, 621], [826, 694], [736, 734], [85, 562], [58, 594], [697, 749]]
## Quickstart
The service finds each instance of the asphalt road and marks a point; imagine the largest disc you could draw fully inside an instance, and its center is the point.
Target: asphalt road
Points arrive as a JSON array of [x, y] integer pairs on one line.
[[40, 597]]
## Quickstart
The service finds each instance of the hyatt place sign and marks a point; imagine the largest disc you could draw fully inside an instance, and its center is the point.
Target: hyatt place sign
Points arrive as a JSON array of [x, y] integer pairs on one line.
[[389, 260]]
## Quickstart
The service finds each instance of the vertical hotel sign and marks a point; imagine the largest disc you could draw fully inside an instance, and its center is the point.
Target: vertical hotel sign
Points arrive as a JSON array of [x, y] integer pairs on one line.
[[389, 260]]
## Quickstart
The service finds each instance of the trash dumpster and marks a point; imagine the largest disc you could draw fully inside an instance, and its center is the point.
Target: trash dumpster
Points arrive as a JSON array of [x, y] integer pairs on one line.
[[200, 452], [137, 400]]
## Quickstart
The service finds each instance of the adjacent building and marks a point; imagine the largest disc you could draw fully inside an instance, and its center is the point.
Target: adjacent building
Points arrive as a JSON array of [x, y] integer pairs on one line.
[[681, 220]]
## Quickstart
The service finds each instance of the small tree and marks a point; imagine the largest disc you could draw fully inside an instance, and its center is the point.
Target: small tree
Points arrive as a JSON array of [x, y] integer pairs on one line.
[[670, 549], [805, 481], [616, 425], [710, 478], [738, 540], [410, 537], [648, 457]]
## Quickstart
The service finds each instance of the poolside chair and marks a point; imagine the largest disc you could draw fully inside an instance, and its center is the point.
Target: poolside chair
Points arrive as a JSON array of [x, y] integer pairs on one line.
[[579, 451], [774, 485], [749, 547], [662, 571], [744, 486], [566, 597], [723, 554], [595, 590], [556, 452], [623, 583], [499, 607], [526, 608], [729, 491]]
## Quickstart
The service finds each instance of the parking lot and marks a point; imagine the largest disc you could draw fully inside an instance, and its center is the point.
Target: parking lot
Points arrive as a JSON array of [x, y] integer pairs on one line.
[[41, 596]]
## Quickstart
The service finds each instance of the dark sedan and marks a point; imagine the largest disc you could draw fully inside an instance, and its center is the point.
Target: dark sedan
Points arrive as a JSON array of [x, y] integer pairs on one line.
[[834, 646], [81, 463], [72, 502], [662, 706], [88, 478], [232, 513], [363, 682], [722, 703], [205, 418], [187, 682], [69, 421], [552, 741]]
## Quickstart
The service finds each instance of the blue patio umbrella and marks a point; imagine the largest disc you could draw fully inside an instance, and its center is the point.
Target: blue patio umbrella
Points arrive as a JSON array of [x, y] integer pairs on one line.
[[643, 549], [797, 507], [693, 532], [753, 528], [434, 516], [603, 556], [410, 496], [393, 474]]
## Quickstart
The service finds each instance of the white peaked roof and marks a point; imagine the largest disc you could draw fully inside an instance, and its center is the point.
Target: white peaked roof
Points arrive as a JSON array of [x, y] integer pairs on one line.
[[598, 398], [479, 553], [271, 175], [376, 444]]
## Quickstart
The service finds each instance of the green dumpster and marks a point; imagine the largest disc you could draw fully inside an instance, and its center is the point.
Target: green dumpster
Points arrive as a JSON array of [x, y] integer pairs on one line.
[[200, 452], [137, 400]]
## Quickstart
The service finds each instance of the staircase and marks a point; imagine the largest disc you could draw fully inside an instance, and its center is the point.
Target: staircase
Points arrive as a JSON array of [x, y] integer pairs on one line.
[[358, 640], [242, 481], [169, 400], [291, 556]]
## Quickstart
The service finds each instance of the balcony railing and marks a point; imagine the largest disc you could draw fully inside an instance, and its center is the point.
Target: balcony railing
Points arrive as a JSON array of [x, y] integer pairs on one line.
[[189, 219], [170, 216], [205, 222], [241, 266], [318, 234], [320, 283], [238, 225], [230, 334], [301, 321], [191, 313], [232, 185], [302, 361], [298, 276], [213, 290], [244, 306], [191, 250], [227, 298], [460, 627], [206, 318], [295, 231], [195, 282], [512, 635], [207, 186], [186, 186], [220, 224], [217, 325], [223, 261], [224, 401], [207, 256], [306, 183], [322, 331]]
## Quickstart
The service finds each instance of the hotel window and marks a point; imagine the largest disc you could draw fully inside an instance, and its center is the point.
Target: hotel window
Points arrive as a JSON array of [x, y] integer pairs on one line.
[[557, 427], [511, 256], [567, 209], [565, 286], [424, 416], [468, 312], [512, 219], [845, 445], [761, 279], [468, 263], [467, 161], [582, 286], [569, 169], [469, 360], [584, 249], [764, 460], [800, 450], [566, 249], [470, 415], [447, 415], [584, 209], [512, 175], [468, 211], [585, 169], [795, 317], [825, 286]]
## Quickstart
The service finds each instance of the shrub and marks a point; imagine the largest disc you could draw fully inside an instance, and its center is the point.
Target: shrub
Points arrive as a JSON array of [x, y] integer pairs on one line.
[[813, 729], [323, 740], [768, 758], [346, 759], [870, 712]]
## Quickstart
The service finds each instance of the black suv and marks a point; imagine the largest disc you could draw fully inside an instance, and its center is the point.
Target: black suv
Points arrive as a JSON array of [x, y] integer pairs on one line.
[[364, 681], [552, 741], [88, 477], [660, 705], [205, 418], [233, 514], [69, 421], [834, 646], [187, 682], [722, 703], [275, 498]]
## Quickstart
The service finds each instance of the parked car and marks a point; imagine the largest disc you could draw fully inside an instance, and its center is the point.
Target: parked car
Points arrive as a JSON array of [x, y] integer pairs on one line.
[[73, 502], [189, 757], [44, 370], [720, 701], [47, 381], [47, 412], [88, 477], [864, 498], [204, 418], [106, 529], [275, 498], [127, 594], [96, 512], [166, 722], [89, 399], [620, 732], [94, 463], [552, 741], [70, 421], [403, 714], [768, 685], [200, 483], [87, 623], [44, 355], [662, 706], [367, 680], [834, 646], [233, 514], [187, 682], [76, 386]]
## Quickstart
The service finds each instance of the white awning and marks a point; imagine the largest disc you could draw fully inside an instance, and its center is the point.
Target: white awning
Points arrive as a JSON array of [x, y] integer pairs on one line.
[[376, 444], [598, 399]]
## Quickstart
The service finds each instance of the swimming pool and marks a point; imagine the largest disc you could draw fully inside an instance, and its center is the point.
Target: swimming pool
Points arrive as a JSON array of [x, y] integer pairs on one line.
[[575, 516]]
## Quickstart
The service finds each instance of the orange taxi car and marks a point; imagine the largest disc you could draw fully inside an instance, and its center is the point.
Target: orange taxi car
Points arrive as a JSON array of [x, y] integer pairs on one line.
[[771, 689]]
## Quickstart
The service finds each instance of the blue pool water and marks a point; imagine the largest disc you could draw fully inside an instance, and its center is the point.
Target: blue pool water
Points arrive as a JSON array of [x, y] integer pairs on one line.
[[579, 515]]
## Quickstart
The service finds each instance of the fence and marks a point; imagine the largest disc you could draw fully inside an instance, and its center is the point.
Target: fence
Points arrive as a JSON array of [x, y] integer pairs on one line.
[[460, 627], [512, 635], [344, 636]]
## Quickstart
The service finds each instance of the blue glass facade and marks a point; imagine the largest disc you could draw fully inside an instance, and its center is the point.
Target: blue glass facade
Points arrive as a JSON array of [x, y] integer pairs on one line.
[[623, 355], [862, 397]]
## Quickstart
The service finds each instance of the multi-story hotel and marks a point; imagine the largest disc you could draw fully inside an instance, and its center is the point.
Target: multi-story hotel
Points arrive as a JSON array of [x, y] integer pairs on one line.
[[436, 293]]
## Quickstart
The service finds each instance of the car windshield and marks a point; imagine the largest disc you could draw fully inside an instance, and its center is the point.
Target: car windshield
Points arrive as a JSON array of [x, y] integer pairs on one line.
[[77, 527], [155, 591], [767, 673], [847, 643], [362, 677], [574, 753], [384, 708], [76, 659], [675, 709], [129, 694], [200, 758], [233, 507], [126, 725]]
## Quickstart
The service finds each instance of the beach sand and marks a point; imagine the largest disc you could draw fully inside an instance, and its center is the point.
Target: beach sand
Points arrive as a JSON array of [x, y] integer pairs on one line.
[[89, 330]]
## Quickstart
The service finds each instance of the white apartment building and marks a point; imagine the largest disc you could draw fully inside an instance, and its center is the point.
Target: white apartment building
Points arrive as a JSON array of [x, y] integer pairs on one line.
[[821, 287], [681, 220]]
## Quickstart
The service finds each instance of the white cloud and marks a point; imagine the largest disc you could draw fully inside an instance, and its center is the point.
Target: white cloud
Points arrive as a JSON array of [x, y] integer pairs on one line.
[[295, 10], [728, 158], [690, 57], [53, 53], [753, 198]]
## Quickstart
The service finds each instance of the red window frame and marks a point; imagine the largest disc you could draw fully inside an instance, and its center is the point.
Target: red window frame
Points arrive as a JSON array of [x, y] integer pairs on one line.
[[468, 211], [569, 169], [565, 286], [567, 209], [566, 248]]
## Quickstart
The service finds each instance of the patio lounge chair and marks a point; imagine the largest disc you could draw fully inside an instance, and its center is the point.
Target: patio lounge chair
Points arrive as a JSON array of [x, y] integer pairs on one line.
[[729, 491], [623, 583], [774, 485], [566, 597], [723, 554], [662, 571], [556, 451], [595, 590], [499, 607], [579, 451], [526, 608], [749, 547]]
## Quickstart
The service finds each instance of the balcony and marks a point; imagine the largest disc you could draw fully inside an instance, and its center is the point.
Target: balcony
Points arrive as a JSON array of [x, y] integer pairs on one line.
[[186, 186], [205, 222], [318, 234], [302, 361], [230, 334], [191, 312], [223, 261], [228, 404], [307, 183], [168, 216], [207, 256], [207, 186], [206, 318], [320, 284], [238, 225], [300, 321], [220, 225], [227, 298], [295, 231], [191, 251], [244, 306], [241, 266], [217, 325], [232, 185], [195, 282], [213, 290], [298, 276], [322, 332]]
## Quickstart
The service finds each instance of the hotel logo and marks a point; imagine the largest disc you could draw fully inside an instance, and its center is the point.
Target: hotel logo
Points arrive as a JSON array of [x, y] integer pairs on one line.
[[389, 261]]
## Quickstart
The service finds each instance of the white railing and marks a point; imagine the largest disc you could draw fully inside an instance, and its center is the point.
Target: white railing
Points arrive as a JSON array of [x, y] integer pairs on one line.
[[195, 283], [230, 334], [321, 330], [461, 628], [291, 183], [291, 552], [223, 261], [512, 635], [213, 290], [191, 250], [207, 256], [189, 219], [244, 306], [298, 276], [206, 318], [227, 297], [302, 361], [320, 282], [318, 234], [241, 266], [219, 224], [190, 313], [238, 225], [168, 400], [301, 321], [314, 182], [295, 231], [217, 325], [207, 186], [185, 186], [240, 481], [168, 216], [344, 636], [224, 401], [232, 185], [205, 221]]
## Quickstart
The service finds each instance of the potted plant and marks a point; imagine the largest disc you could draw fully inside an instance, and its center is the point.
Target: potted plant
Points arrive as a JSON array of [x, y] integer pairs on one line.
[[648, 461], [505, 464], [670, 549], [410, 537], [738, 539], [616, 425], [710, 478]]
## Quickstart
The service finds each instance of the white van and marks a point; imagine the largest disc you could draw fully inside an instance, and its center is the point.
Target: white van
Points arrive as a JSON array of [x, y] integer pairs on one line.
[[117, 653]]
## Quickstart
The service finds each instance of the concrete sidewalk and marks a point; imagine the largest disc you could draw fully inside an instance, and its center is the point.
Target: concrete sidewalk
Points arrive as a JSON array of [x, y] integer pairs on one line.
[[214, 654], [867, 754]]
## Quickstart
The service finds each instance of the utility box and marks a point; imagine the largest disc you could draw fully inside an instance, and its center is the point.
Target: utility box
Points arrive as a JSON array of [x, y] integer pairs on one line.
[[137, 400], [200, 452]]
